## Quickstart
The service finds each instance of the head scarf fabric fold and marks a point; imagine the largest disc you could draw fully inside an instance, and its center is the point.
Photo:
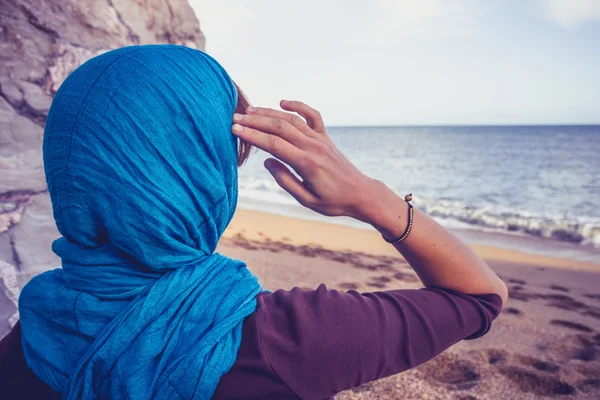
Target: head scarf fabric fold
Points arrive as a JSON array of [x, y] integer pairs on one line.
[[141, 168]]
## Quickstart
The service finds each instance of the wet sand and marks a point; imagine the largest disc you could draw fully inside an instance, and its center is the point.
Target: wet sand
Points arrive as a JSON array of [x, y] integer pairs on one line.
[[545, 343]]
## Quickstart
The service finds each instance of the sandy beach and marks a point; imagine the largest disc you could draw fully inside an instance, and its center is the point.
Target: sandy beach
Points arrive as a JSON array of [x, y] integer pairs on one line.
[[545, 343]]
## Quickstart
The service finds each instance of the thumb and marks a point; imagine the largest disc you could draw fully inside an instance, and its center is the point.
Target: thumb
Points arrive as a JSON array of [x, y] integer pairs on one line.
[[289, 182]]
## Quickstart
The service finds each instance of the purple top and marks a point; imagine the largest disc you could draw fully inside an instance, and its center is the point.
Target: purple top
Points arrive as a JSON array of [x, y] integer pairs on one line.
[[313, 344]]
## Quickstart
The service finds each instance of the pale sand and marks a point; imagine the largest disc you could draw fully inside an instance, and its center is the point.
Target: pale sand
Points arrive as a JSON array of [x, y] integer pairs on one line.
[[545, 343], [256, 225]]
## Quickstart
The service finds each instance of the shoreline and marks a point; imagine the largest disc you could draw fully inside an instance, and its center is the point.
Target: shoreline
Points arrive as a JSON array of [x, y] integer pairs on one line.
[[260, 226], [468, 233]]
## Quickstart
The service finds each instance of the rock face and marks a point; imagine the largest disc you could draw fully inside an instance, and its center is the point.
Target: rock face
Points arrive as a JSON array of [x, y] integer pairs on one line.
[[41, 42]]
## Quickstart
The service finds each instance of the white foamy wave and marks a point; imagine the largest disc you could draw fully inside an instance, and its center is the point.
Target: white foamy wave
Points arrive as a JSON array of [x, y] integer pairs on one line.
[[264, 189], [585, 231], [460, 215]]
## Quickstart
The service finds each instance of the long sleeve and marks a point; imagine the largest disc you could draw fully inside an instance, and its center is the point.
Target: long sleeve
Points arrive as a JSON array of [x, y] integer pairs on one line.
[[313, 344], [324, 341]]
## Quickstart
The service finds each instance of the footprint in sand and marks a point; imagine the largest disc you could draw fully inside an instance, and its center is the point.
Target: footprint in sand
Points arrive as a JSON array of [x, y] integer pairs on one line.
[[588, 371], [306, 251], [383, 267], [517, 281], [561, 301], [244, 244], [535, 376], [571, 325], [496, 356], [575, 347], [530, 374], [588, 385], [532, 382], [388, 260], [587, 353], [502, 357], [592, 312], [368, 267], [512, 311], [537, 364], [383, 279], [455, 372], [348, 285], [592, 296], [379, 281], [286, 246], [341, 259], [515, 293], [405, 277]]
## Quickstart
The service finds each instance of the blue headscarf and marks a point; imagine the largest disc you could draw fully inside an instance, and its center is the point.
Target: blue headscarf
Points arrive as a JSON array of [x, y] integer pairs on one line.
[[142, 173]]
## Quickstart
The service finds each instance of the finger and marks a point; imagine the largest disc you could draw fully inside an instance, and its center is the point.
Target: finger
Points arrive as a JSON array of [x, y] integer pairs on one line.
[[312, 116], [274, 126], [289, 182], [272, 144], [293, 119]]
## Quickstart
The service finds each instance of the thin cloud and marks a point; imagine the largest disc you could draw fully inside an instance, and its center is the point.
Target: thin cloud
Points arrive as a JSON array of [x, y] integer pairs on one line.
[[402, 19], [571, 13], [411, 62]]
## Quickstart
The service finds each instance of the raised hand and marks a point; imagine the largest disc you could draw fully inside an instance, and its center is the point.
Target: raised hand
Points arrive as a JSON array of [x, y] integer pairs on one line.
[[330, 184]]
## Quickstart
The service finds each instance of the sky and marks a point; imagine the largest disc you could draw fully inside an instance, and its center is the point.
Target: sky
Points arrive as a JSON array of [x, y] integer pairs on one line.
[[420, 62]]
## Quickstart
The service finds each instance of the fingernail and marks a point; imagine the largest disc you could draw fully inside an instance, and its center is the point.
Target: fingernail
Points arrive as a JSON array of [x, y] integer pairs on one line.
[[237, 117], [251, 109], [285, 101], [237, 127]]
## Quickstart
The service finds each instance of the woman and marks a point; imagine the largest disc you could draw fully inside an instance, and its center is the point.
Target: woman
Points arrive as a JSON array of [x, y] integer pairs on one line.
[[141, 167]]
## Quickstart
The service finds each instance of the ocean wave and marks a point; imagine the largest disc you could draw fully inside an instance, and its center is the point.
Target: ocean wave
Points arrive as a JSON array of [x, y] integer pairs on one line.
[[456, 214], [581, 230], [262, 189]]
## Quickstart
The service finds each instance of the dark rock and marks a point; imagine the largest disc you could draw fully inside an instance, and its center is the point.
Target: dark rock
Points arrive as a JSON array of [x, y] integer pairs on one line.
[[7, 309], [41, 42], [8, 297]]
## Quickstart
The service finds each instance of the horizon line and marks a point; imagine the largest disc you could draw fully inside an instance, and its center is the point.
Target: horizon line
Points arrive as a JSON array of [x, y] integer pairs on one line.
[[461, 125]]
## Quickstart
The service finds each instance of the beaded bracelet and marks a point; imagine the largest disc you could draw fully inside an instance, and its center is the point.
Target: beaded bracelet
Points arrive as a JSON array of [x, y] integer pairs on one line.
[[411, 213]]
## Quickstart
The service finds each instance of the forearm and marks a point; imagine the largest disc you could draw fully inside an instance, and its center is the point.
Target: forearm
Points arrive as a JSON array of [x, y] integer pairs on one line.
[[437, 256], [332, 185]]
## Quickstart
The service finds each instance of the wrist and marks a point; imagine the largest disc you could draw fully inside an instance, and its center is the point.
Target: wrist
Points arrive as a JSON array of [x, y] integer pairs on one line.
[[384, 210]]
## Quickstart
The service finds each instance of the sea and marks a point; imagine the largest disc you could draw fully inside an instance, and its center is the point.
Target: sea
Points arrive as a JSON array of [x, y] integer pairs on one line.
[[530, 188]]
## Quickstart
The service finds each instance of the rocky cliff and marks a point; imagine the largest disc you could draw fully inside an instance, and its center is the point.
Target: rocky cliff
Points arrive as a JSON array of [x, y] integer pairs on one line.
[[41, 42]]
